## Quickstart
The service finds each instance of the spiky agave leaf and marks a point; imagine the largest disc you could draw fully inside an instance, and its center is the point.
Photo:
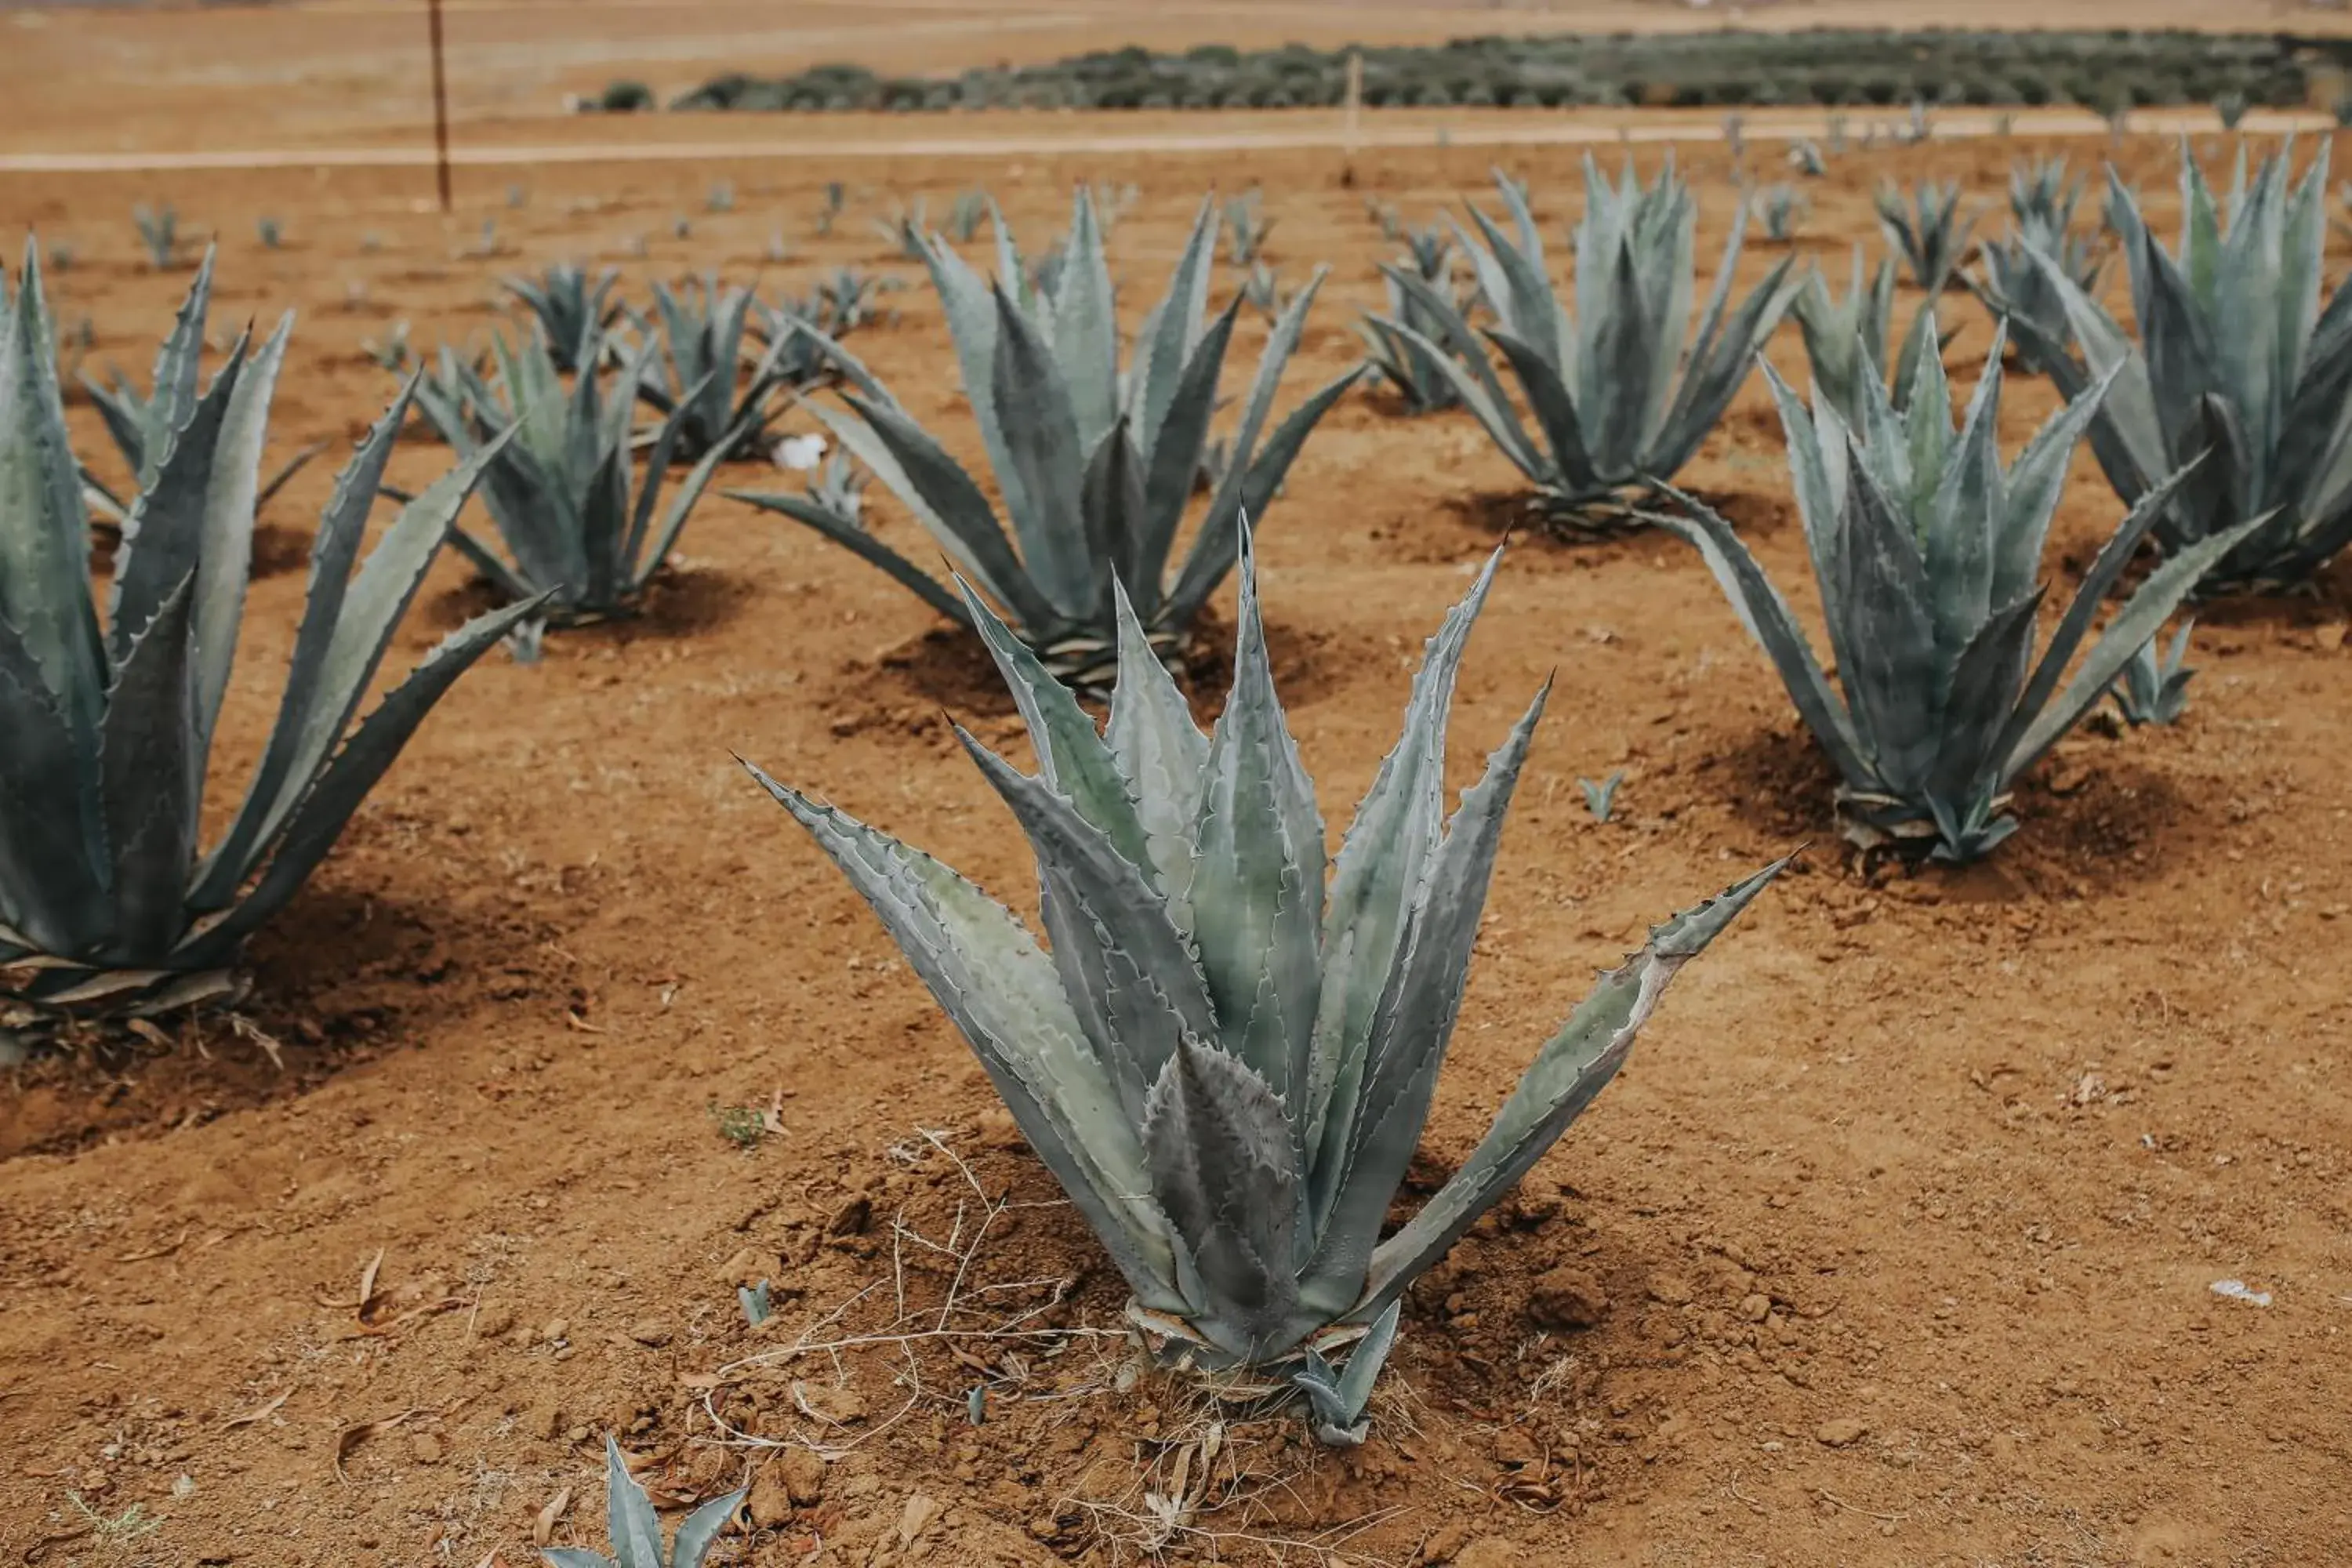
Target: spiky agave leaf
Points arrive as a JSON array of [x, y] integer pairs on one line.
[[573, 309], [1228, 1053], [1095, 464], [1623, 388], [2237, 361], [1925, 548], [1398, 359], [692, 382], [583, 533], [1845, 340], [104, 899], [1929, 231], [633, 1529], [140, 425]]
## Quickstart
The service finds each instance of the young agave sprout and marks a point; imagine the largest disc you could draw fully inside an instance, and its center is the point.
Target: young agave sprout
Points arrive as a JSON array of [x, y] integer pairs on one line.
[[2012, 283], [1228, 1054], [558, 483], [693, 383], [1847, 340], [1929, 230], [1782, 209], [106, 901], [1095, 464], [635, 1527], [2042, 196], [159, 232], [1619, 401], [1403, 362], [2154, 690], [2236, 360], [1805, 157], [141, 424], [1247, 228], [570, 306], [1925, 548]]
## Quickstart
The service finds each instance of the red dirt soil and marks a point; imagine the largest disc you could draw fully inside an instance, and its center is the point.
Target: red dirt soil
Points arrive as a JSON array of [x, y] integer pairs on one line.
[[1894, 1245]]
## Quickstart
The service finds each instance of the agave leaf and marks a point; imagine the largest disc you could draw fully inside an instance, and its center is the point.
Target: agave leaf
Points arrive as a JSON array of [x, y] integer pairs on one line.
[[852, 537], [164, 533], [1985, 679], [1413, 1021], [53, 873], [1884, 590], [149, 757], [1212, 1134], [1173, 455], [631, 1523], [944, 498], [1004, 996], [682, 502], [1162, 755], [1168, 348], [1773, 625], [1382, 868], [971, 314], [1207, 564], [1572, 1067], [318, 815], [1086, 327], [225, 550], [700, 1530], [1036, 411]]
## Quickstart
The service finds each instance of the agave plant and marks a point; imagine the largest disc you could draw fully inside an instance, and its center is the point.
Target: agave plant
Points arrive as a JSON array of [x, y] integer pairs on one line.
[[2042, 196], [635, 1527], [1782, 209], [558, 480], [570, 306], [2236, 359], [1805, 157], [1399, 361], [1227, 1057], [1847, 340], [1247, 228], [835, 305], [1619, 401], [105, 901], [1929, 230], [2153, 687], [142, 424], [693, 382], [159, 234], [2012, 283], [1926, 547], [1095, 466]]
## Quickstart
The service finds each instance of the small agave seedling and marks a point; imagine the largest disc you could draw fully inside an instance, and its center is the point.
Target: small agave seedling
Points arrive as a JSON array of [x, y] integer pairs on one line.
[[1805, 157], [1601, 798], [570, 306], [693, 383], [1845, 340], [757, 1302], [1398, 360], [270, 232], [2042, 194], [964, 218], [1247, 228], [1266, 292], [106, 903], [1229, 1053], [720, 197], [1925, 550], [1929, 230], [558, 480], [1622, 396], [2013, 284], [2237, 360], [2154, 690], [159, 232], [1096, 465], [635, 1527], [905, 228], [141, 424], [1781, 208]]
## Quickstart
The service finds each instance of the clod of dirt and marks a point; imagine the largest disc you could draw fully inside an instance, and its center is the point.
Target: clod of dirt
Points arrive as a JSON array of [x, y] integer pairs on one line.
[[1671, 1290], [1567, 1298], [917, 1517], [1840, 1430], [803, 1474], [835, 1407], [1446, 1543], [653, 1332], [852, 1217], [748, 1267], [771, 1499], [1490, 1551], [425, 1448], [1755, 1306]]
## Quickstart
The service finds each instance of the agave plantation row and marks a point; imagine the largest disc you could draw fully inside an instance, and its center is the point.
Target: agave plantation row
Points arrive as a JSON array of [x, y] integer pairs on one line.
[[1227, 1046]]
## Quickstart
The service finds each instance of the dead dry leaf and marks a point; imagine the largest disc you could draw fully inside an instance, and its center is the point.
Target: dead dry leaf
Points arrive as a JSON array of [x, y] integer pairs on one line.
[[352, 1437], [250, 1417], [152, 1253], [542, 1529]]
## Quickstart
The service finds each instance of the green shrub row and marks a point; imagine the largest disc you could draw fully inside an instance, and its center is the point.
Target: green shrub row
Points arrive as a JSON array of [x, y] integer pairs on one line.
[[1861, 67]]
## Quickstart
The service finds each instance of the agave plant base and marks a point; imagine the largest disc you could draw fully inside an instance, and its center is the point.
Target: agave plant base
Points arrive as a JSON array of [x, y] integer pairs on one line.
[[40, 991], [1880, 823]]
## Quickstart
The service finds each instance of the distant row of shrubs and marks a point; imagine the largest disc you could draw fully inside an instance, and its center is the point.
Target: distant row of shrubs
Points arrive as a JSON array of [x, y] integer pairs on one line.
[[2107, 70]]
